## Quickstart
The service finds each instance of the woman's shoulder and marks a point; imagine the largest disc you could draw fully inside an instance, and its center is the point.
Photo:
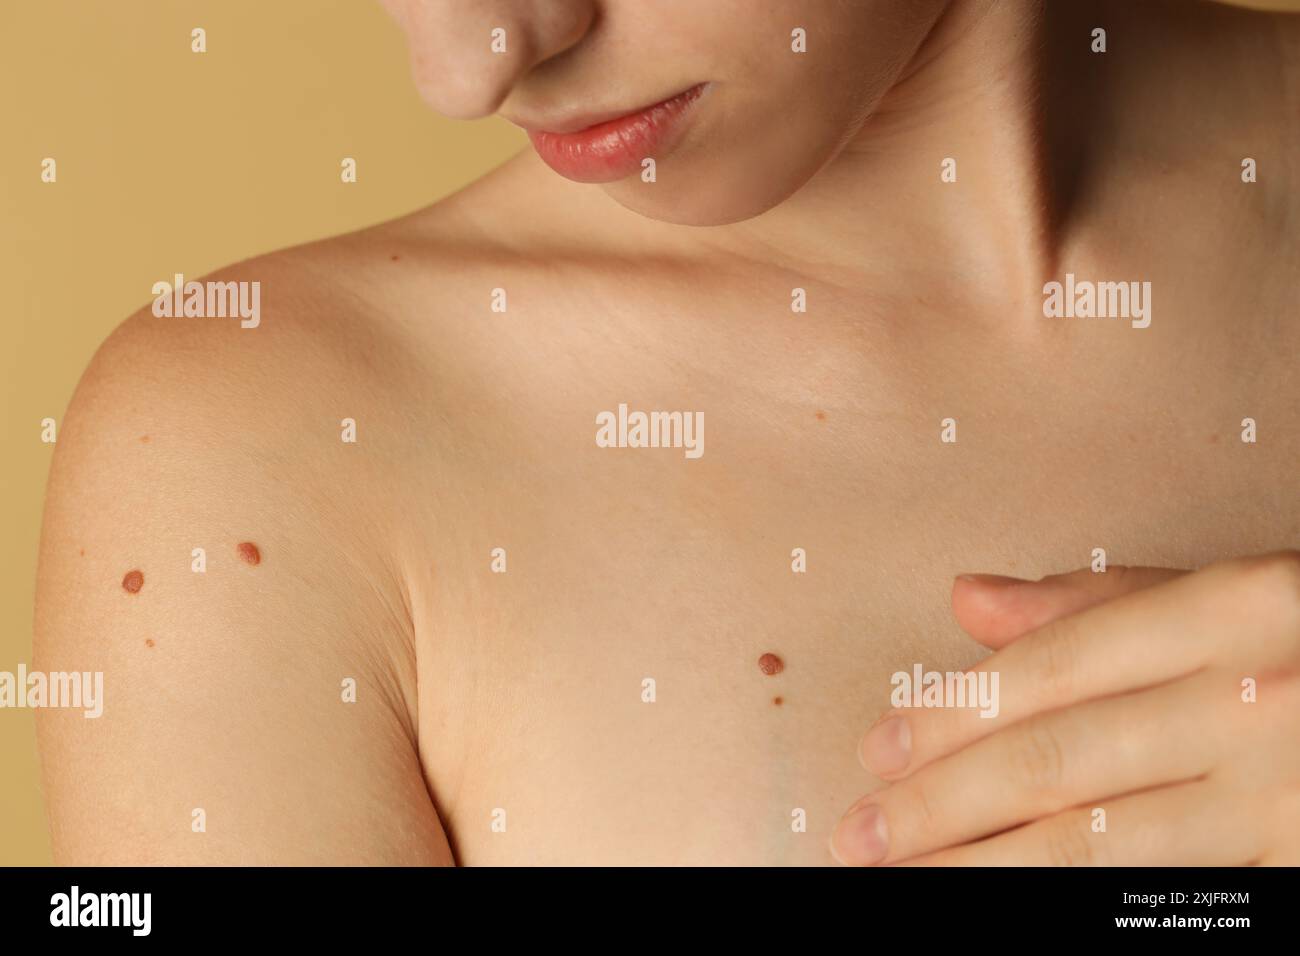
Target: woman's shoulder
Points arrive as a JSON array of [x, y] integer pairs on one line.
[[332, 317], [324, 372]]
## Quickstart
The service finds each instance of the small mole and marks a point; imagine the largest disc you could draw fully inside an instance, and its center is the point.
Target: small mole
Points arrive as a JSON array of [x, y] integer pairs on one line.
[[82, 552], [770, 664], [821, 416], [395, 258], [144, 439], [148, 642], [1214, 439], [133, 581], [248, 551], [778, 701]]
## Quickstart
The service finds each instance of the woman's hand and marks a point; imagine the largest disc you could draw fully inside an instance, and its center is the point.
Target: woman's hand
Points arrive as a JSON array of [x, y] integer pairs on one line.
[[1146, 717]]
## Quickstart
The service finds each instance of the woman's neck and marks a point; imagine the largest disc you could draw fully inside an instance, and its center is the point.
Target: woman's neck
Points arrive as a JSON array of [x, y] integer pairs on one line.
[[948, 170]]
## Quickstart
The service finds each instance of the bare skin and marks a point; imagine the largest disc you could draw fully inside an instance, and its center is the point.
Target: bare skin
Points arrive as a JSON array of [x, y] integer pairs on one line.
[[523, 691]]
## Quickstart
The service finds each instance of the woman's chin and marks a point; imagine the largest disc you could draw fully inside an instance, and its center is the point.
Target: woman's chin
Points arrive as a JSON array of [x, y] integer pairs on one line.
[[684, 196]]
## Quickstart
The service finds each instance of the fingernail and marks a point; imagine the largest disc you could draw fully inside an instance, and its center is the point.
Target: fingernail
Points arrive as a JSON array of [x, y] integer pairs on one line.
[[862, 837], [990, 580], [887, 747]]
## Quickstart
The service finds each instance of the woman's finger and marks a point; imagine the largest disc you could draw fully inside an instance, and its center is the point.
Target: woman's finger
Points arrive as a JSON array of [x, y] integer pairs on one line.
[[1181, 825], [996, 610], [1042, 766], [1137, 640]]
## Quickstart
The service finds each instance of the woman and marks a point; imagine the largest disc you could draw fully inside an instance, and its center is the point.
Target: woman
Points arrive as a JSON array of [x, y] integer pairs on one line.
[[565, 523]]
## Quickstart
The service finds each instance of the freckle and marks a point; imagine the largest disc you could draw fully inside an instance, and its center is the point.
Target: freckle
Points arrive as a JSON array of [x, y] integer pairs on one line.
[[1214, 439], [248, 551], [144, 439], [81, 551], [778, 701], [821, 416], [148, 642], [770, 664], [133, 581], [395, 258]]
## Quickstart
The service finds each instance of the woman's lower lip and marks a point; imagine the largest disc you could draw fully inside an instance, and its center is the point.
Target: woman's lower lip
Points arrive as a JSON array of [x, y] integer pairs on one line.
[[613, 150]]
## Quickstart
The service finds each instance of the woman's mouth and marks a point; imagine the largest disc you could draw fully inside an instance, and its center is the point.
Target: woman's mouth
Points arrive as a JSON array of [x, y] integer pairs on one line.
[[614, 149]]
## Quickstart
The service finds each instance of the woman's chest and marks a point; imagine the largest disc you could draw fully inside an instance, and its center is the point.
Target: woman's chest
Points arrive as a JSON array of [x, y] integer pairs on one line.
[[662, 659]]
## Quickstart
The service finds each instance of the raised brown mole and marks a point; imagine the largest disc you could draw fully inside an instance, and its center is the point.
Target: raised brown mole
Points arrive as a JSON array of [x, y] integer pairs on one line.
[[778, 701], [248, 551], [770, 664], [148, 642], [133, 581]]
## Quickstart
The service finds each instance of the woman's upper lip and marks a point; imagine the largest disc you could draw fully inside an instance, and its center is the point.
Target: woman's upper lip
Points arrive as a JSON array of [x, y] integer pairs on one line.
[[562, 124]]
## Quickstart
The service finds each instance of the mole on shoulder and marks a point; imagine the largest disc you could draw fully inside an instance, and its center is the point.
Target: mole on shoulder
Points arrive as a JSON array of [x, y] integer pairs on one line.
[[770, 664], [133, 581], [248, 551]]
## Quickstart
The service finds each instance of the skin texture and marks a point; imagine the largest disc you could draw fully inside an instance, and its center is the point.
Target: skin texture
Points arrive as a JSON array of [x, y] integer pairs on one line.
[[522, 691]]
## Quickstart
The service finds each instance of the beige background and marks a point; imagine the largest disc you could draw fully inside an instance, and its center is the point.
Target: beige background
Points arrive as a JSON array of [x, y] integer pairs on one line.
[[169, 162]]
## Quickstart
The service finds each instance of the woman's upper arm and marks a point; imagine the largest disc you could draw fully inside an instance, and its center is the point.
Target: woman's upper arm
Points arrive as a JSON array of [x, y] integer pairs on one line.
[[228, 734]]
